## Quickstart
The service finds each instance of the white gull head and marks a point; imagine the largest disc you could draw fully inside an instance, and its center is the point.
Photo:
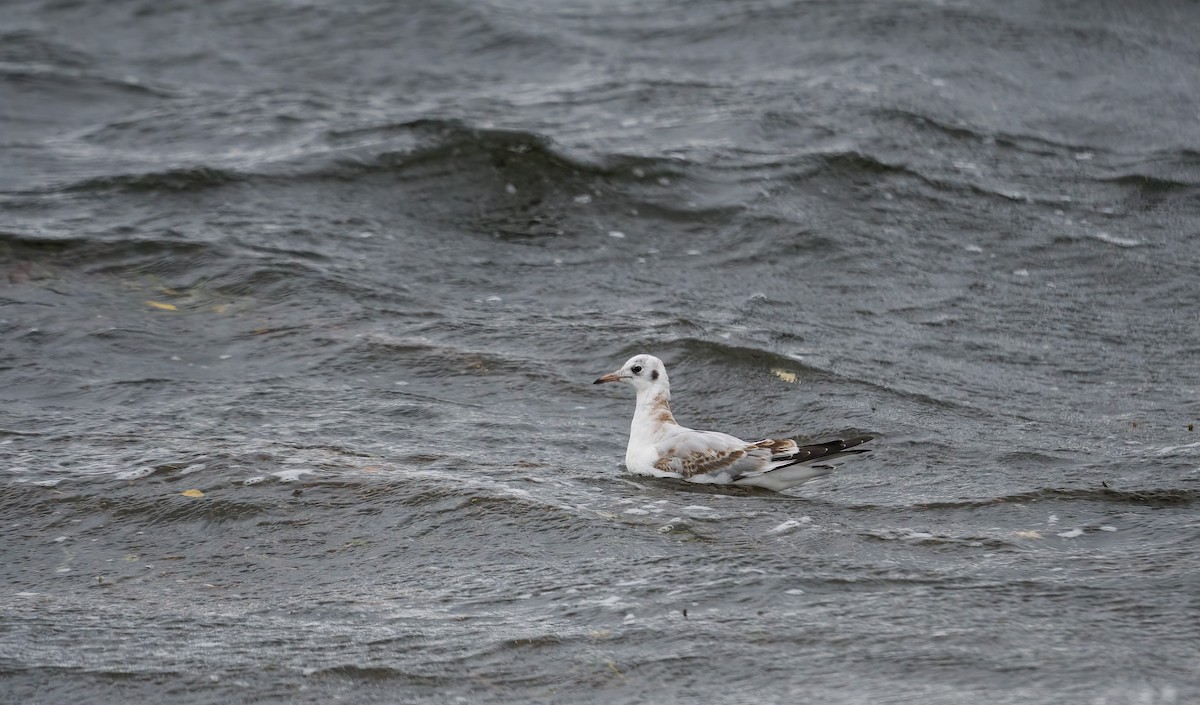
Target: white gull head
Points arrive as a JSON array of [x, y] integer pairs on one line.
[[643, 372]]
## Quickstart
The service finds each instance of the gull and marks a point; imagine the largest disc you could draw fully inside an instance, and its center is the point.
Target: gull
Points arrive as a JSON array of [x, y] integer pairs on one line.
[[660, 447]]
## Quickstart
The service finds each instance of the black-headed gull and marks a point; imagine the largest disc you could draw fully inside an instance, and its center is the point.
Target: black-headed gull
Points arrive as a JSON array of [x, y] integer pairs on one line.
[[661, 447]]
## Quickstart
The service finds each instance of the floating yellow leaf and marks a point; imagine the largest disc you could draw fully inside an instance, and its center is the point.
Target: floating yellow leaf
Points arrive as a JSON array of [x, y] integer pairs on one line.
[[220, 308], [159, 304], [192, 493], [1029, 534], [789, 377]]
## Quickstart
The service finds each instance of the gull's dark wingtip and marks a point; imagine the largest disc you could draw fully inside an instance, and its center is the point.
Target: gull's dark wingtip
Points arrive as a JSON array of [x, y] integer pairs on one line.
[[830, 449]]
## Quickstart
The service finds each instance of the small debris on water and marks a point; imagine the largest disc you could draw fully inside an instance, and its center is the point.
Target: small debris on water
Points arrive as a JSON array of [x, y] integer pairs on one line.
[[786, 376]]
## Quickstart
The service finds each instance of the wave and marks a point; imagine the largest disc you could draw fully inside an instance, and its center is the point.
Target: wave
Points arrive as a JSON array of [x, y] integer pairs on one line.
[[1162, 497], [515, 182], [38, 257], [392, 677], [39, 63], [524, 186], [179, 179], [1159, 168], [188, 273]]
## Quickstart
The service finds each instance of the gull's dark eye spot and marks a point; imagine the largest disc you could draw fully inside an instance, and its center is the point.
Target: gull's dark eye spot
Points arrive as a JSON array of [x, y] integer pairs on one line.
[[654, 375], [636, 369]]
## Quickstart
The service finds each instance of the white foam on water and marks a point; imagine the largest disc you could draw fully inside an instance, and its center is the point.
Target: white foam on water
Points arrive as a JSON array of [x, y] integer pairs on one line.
[[1114, 240], [291, 475], [787, 525], [1188, 449], [135, 474], [613, 601]]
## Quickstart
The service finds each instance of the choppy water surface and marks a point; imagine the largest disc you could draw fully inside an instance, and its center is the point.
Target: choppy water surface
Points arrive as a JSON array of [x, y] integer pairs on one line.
[[346, 271]]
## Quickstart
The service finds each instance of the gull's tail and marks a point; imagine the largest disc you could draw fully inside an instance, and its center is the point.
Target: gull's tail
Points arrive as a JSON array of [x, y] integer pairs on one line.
[[791, 468], [821, 451]]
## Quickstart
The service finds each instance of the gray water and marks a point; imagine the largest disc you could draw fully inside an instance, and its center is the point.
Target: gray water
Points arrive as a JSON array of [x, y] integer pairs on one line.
[[346, 272]]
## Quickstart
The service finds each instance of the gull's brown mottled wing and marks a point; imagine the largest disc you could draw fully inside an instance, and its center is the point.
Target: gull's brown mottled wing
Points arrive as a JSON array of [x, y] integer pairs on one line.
[[704, 462]]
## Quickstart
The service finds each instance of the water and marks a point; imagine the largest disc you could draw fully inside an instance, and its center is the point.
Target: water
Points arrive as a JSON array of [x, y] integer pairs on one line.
[[348, 271]]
